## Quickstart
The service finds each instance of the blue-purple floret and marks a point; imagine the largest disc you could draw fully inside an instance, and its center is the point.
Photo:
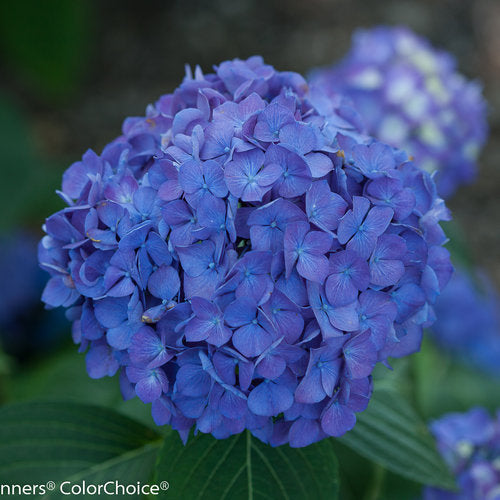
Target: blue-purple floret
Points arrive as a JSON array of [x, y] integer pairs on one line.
[[411, 96], [470, 444], [244, 256], [468, 320]]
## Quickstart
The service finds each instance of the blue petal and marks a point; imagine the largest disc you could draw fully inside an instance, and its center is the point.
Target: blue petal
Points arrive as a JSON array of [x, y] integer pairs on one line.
[[270, 399], [337, 419]]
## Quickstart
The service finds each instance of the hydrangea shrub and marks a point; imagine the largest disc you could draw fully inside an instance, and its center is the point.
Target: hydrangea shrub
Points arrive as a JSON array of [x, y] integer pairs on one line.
[[243, 255], [411, 96], [470, 444]]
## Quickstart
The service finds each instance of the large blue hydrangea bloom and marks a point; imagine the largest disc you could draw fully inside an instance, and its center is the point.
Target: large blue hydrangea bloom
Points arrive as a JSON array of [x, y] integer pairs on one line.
[[244, 257], [468, 320], [411, 96], [470, 444]]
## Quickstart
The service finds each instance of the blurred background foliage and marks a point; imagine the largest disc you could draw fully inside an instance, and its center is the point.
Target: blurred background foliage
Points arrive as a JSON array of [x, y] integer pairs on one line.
[[71, 72]]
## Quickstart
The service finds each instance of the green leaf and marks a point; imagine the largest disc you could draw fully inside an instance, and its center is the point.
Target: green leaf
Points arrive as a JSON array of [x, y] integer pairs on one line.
[[361, 479], [391, 433], [70, 441], [63, 377], [242, 467], [128, 468], [355, 472]]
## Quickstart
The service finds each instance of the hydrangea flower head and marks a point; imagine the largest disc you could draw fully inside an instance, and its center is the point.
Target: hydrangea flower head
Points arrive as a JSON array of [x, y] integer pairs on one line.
[[470, 444], [244, 256], [468, 320], [411, 96]]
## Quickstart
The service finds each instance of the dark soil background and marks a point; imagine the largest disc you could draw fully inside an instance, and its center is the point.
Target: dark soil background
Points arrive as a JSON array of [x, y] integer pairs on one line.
[[73, 71]]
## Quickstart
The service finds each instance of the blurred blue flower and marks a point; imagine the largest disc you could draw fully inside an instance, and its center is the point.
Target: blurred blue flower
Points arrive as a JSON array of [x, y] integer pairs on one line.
[[468, 320], [470, 444], [25, 329], [411, 96], [238, 256]]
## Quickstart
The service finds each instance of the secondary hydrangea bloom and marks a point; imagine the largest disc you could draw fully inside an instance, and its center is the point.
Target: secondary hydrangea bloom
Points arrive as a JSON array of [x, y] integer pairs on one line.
[[470, 444], [411, 96], [244, 257], [24, 327], [20, 277], [468, 320]]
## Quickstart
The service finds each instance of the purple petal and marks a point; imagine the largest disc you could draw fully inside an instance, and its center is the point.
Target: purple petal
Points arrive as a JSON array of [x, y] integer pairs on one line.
[[240, 312], [270, 122], [120, 337], [337, 419], [146, 346], [409, 298], [360, 355], [293, 239], [164, 283], [303, 432], [324, 208], [378, 219], [214, 178], [158, 249], [313, 267], [232, 406], [270, 399], [136, 237], [252, 340], [299, 137], [100, 361], [192, 380], [195, 258], [319, 164], [344, 318], [198, 329], [386, 272], [123, 288], [317, 242], [310, 390], [203, 285], [111, 312], [58, 293]]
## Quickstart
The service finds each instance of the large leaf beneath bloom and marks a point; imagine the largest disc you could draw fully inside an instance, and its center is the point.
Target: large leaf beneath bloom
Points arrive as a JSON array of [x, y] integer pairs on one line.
[[63, 377], [242, 467], [362, 478], [391, 433], [69, 441]]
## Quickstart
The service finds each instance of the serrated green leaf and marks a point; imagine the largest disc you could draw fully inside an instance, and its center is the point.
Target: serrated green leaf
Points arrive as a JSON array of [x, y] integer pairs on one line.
[[242, 467], [391, 433], [69, 441]]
